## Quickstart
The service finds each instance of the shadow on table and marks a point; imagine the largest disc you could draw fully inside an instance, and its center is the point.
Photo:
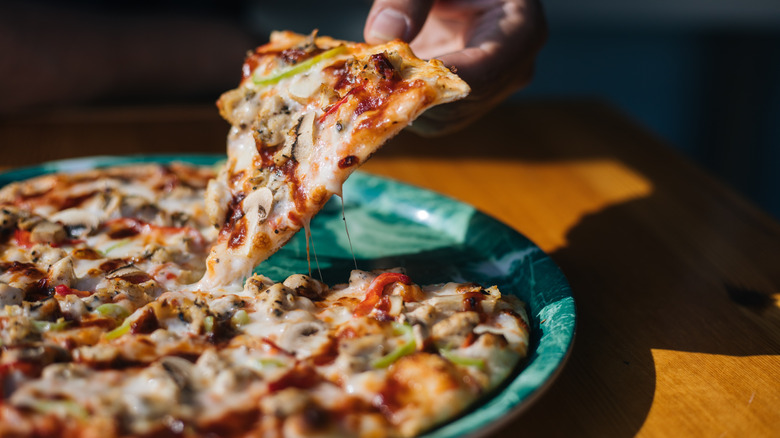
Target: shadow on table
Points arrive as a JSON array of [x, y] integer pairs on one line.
[[624, 300], [680, 270]]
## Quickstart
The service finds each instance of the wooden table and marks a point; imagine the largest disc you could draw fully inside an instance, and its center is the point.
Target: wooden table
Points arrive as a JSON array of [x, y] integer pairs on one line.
[[676, 277]]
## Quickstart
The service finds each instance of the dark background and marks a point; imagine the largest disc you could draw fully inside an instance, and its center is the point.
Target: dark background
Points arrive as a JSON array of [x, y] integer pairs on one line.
[[702, 74]]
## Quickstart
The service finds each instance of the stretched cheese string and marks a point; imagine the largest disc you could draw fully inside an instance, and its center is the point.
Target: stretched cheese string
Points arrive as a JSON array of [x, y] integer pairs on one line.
[[346, 229], [307, 232]]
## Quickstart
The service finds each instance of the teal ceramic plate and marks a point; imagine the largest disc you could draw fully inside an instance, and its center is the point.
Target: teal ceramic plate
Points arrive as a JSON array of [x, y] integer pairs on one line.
[[384, 224]]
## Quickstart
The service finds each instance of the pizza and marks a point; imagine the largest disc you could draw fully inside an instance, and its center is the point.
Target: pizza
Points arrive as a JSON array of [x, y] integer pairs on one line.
[[130, 304], [309, 110]]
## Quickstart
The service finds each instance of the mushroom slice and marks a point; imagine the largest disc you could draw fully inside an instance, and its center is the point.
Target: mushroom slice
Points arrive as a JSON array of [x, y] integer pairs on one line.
[[217, 200], [48, 232], [257, 207], [8, 218], [179, 369], [304, 339], [10, 296], [304, 141], [77, 220]]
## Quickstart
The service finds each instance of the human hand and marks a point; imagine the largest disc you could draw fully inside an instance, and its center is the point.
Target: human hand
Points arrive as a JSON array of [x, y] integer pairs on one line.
[[492, 44]]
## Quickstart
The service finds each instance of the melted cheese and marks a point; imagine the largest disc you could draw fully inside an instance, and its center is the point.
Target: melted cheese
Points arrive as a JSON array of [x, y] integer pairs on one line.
[[237, 352], [300, 128]]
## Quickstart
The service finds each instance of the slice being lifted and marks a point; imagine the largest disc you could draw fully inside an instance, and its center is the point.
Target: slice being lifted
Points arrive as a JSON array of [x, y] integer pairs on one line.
[[308, 112]]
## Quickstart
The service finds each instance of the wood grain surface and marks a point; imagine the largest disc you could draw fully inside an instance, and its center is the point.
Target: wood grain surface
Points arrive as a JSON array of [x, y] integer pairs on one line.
[[676, 278]]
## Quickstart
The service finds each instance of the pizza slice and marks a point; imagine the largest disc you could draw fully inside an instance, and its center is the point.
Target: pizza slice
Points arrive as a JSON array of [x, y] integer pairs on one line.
[[309, 110]]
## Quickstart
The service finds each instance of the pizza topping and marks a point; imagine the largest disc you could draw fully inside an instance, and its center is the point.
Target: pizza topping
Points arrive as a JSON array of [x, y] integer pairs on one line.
[[22, 238], [8, 219], [348, 161], [106, 330], [455, 329], [463, 360], [113, 311], [376, 291], [47, 232], [274, 77], [10, 296], [62, 273], [407, 347]]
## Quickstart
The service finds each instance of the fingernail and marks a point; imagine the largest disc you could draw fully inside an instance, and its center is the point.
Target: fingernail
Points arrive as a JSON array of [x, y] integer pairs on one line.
[[389, 25]]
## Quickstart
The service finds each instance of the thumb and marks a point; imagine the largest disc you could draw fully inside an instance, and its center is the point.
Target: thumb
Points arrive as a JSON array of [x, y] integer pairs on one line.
[[391, 19]]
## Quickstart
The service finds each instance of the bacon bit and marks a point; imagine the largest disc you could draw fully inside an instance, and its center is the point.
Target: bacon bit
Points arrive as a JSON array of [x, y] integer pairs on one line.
[[275, 349], [388, 401], [122, 227], [66, 242], [471, 301], [146, 323], [377, 289], [237, 234], [63, 290], [137, 278], [22, 238], [348, 333], [85, 254], [75, 201], [233, 214], [298, 377], [91, 320], [236, 178], [233, 423], [296, 54], [266, 155], [384, 67], [252, 61], [111, 265], [27, 200], [39, 291], [386, 89], [25, 269], [348, 161], [340, 72], [370, 103], [329, 353], [333, 108], [170, 180], [127, 227], [29, 369], [470, 338]]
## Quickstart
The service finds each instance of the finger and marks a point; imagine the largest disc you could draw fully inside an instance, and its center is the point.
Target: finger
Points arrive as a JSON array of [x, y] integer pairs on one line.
[[391, 19], [496, 58]]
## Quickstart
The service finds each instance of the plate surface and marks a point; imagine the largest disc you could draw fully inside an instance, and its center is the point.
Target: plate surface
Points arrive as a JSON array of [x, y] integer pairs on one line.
[[385, 224]]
